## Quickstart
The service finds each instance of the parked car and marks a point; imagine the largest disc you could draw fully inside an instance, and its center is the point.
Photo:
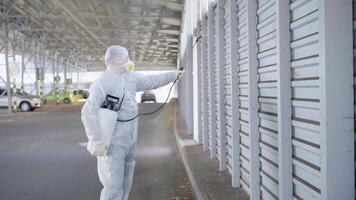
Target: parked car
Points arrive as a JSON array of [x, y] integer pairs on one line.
[[81, 93], [148, 96], [63, 97], [24, 101]]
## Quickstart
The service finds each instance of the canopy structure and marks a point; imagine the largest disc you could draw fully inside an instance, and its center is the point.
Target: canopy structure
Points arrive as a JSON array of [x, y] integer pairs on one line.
[[81, 30]]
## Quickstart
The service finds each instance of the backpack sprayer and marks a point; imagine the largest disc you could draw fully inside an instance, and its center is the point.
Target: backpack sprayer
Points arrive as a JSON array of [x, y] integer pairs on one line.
[[108, 113], [108, 116]]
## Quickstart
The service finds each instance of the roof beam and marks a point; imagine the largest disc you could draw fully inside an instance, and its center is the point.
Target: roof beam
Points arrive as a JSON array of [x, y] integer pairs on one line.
[[77, 20], [89, 15], [96, 29]]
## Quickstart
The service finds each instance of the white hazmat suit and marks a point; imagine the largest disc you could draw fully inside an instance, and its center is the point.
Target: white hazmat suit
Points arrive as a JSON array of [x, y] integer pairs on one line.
[[116, 166]]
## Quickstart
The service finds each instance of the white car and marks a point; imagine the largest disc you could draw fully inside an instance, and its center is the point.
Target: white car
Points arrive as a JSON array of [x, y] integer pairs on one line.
[[25, 102]]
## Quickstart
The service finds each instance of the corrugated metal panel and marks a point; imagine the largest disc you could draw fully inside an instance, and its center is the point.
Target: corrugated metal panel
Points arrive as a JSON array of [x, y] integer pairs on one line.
[[243, 93], [306, 92], [228, 87], [295, 97], [267, 99]]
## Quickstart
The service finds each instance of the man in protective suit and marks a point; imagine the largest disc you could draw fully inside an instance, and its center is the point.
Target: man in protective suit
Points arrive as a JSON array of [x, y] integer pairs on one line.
[[116, 162]]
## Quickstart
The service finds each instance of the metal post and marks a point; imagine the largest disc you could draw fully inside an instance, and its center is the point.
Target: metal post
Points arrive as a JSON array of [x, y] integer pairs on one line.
[[211, 64], [78, 79], [198, 96], [65, 65], [189, 68], [14, 86], [336, 102], [42, 60], [6, 44], [204, 82], [36, 66], [253, 101], [235, 104], [23, 65], [221, 83], [285, 165], [54, 72], [71, 76], [57, 81]]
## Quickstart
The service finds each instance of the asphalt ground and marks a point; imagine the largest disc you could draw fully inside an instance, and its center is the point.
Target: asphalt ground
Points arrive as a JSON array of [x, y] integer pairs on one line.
[[42, 157]]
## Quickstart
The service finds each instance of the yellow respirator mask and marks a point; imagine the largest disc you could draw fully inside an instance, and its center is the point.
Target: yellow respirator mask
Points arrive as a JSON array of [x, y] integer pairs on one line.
[[129, 65]]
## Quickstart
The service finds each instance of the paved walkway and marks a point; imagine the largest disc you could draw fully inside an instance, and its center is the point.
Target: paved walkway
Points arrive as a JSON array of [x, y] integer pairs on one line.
[[41, 158], [208, 182]]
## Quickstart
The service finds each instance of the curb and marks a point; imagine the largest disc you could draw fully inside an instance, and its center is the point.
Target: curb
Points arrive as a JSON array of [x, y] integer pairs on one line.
[[198, 194], [40, 111]]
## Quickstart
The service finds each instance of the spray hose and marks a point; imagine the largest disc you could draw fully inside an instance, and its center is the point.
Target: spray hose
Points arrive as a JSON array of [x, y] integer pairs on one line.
[[154, 111]]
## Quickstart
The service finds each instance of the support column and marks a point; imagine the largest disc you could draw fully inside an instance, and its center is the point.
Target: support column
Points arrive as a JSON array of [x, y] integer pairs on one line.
[[42, 72], [205, 81], [76, 67], [23, 65], [253, 101], [189, 84], [65, 68], [54, 72], [235, 115], [57, 80], [8, 83], [78, 79], [211, 65], [336, 84], [284, 101], [198, 96], [71, 76], [14, 86], [221, 84], [36, 66]]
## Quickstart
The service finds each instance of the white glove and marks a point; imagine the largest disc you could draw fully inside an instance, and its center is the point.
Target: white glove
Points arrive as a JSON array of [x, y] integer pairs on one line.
[[100, 150]]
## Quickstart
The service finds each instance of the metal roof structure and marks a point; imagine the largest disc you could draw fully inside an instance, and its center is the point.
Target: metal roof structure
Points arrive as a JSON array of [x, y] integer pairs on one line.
[[81, 30]]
